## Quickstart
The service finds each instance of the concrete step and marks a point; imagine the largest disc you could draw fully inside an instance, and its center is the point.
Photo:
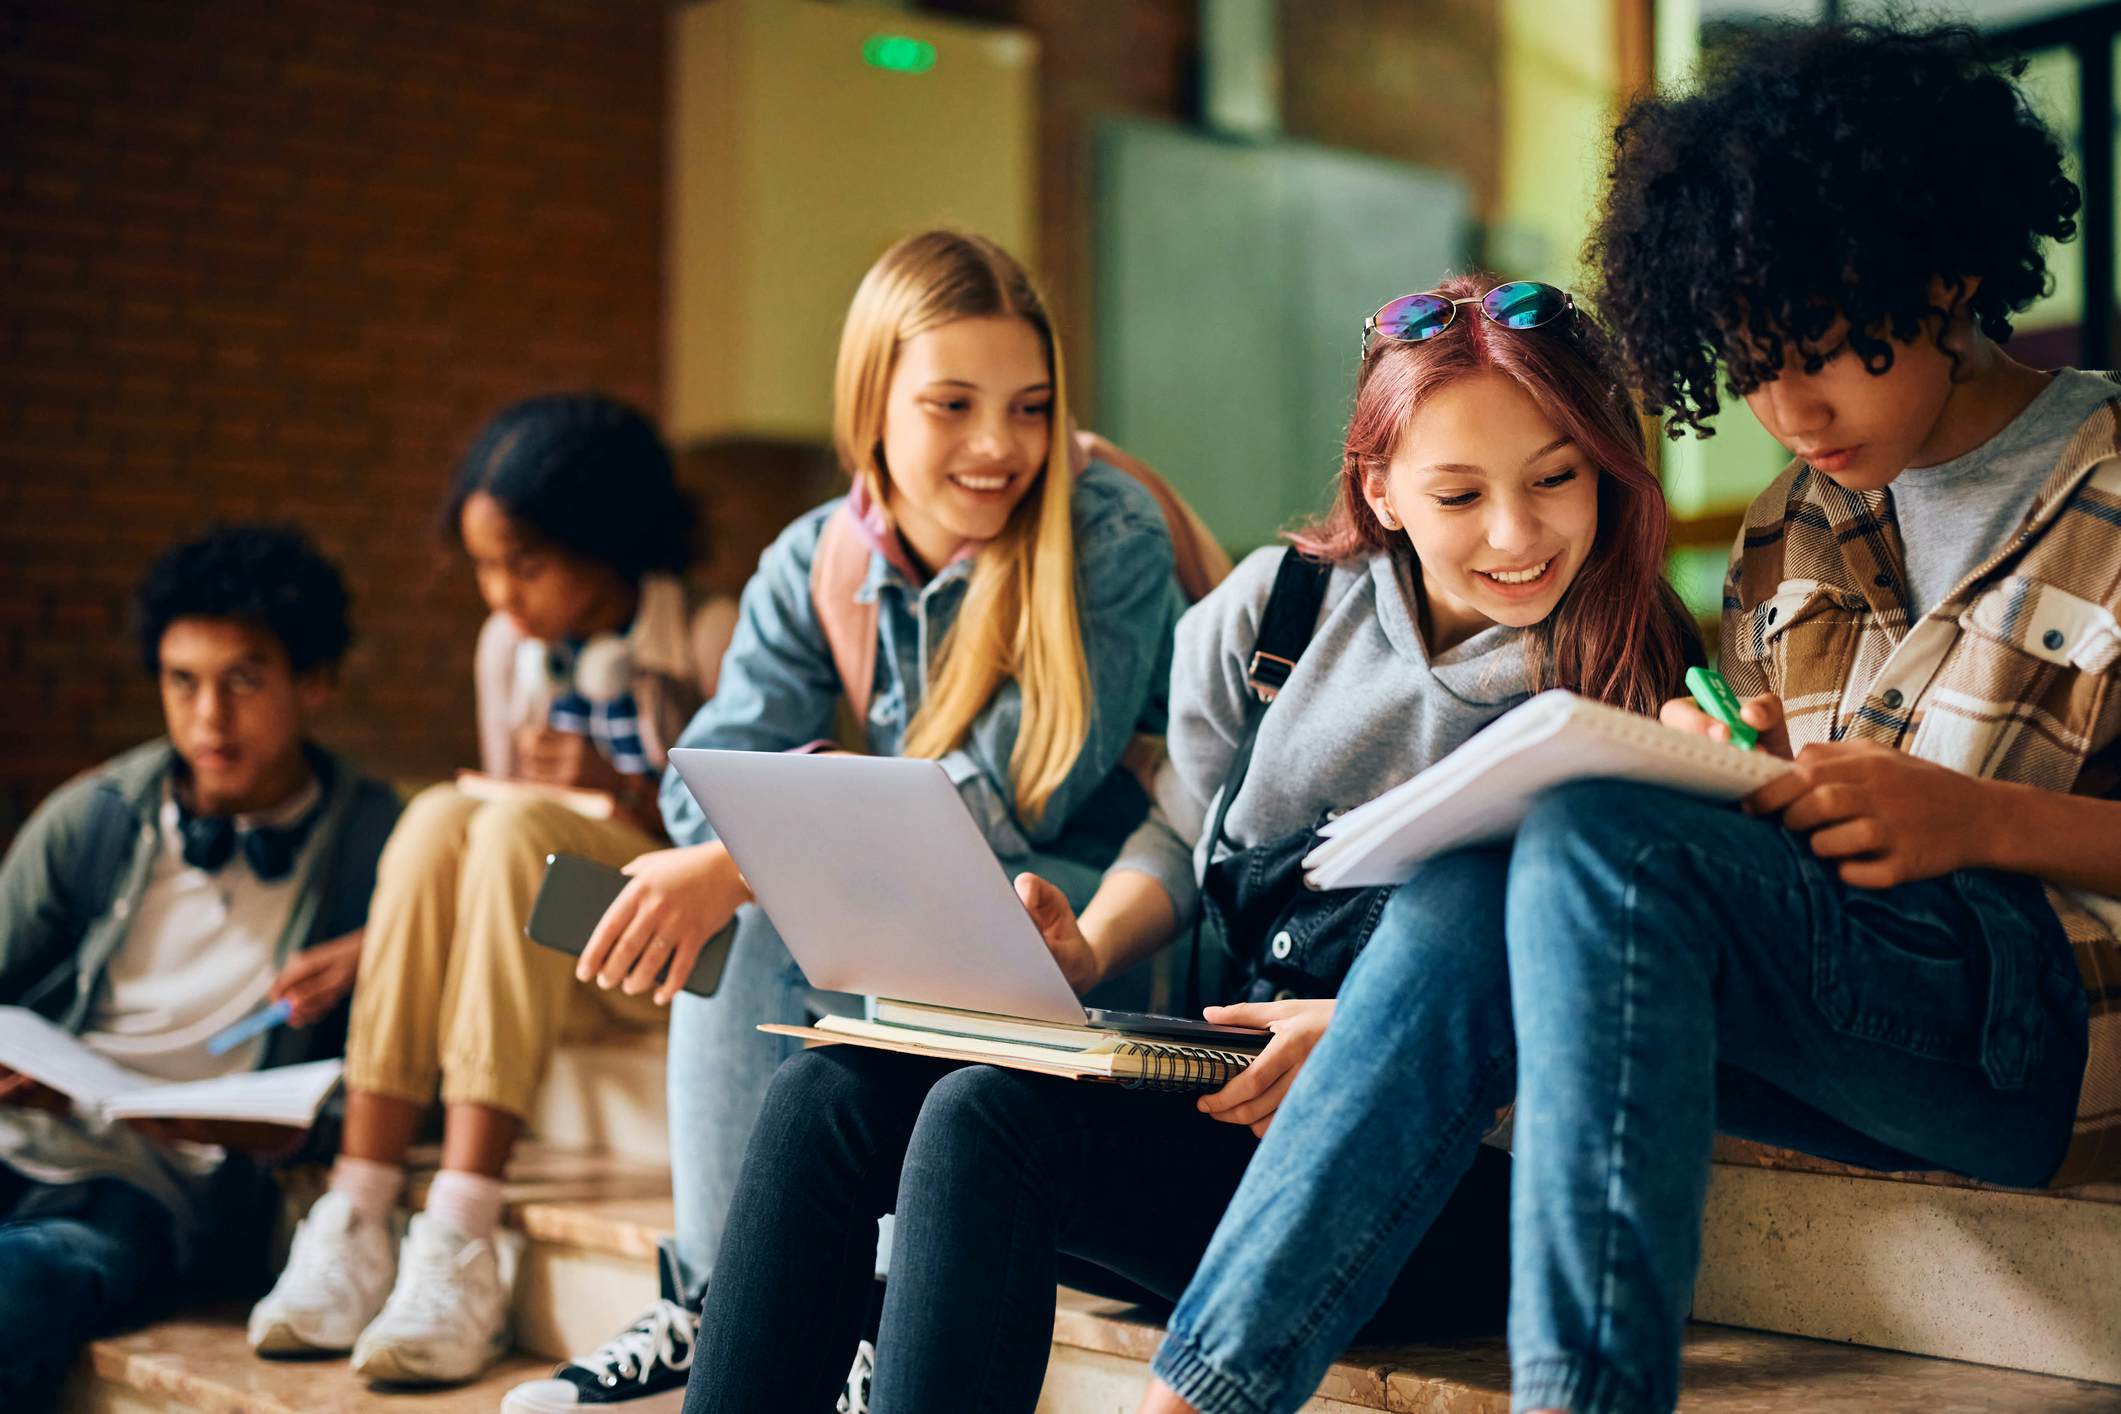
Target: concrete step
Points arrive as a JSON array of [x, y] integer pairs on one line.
[[1743, 1152], [203, 1363], [1926, 1263], [1102, 1348], [1947, 1269], [543, 1172], [584, 1228], [1101, 1351], [588, 1267], [1792, 1248], [606, 1093], [1100, 1366]]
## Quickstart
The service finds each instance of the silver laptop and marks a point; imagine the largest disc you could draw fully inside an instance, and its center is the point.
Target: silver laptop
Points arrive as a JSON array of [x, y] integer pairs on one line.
[[878, 879]]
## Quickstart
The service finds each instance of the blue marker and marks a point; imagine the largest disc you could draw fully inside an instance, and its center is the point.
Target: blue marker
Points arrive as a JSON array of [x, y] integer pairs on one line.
[[253, 1025]]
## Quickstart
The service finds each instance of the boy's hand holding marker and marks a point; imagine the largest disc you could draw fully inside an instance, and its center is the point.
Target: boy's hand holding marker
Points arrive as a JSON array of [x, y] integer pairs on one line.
[[1762, 715], [317, 978], [1890, 818]]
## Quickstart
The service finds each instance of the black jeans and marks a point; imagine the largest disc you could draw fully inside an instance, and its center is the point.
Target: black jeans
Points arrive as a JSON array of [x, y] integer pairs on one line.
[[996, 1177]]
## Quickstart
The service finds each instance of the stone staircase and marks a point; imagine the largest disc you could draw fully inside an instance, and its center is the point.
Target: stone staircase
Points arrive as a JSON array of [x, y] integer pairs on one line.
[[1883, 1274], [1928, 1263]]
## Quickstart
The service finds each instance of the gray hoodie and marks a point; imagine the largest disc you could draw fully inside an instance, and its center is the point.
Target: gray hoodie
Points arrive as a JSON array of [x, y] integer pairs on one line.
[[1365, 709]]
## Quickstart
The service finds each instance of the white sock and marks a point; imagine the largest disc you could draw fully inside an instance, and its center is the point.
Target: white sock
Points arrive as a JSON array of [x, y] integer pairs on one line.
[[468, 1202], [371, 1187]]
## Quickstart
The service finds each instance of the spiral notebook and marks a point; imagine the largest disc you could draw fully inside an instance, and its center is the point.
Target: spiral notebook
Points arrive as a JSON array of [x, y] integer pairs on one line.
[[1481, 792], [1068, 1052]]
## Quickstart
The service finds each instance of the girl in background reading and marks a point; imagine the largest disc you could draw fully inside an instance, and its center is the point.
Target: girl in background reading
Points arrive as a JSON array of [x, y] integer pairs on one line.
[[593, 659]]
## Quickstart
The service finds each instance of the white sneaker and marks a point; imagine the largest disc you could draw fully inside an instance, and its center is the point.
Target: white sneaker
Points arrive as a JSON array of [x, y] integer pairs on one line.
[[447, 1318], [338, 1273]]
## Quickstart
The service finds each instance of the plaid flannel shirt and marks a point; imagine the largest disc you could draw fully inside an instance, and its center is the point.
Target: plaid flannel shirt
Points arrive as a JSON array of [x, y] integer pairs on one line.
[[2011, 677]]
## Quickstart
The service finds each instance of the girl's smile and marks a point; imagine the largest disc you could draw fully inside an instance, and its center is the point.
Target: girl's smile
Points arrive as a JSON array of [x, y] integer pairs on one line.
[[1500, 508]]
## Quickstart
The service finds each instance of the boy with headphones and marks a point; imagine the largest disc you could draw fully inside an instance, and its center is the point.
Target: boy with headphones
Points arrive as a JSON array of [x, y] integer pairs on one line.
[[148, 905]]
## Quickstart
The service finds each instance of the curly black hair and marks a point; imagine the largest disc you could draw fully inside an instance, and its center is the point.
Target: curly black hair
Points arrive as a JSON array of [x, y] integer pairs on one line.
[[1821, 171], [584, 472], [267, 575]]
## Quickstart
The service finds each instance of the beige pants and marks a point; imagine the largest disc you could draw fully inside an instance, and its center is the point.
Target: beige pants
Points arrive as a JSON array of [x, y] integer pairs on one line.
[[449, 985]]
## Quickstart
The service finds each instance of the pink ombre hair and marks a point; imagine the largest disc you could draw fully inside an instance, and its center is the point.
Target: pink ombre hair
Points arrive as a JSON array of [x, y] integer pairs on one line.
[[1619, 634]]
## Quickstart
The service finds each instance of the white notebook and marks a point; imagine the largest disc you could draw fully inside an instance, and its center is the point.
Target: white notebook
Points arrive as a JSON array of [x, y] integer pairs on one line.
[[287, 1094], [1481, 792]]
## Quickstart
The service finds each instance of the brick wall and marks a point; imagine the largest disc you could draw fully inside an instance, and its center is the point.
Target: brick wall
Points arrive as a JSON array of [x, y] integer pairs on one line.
[[270, 260]]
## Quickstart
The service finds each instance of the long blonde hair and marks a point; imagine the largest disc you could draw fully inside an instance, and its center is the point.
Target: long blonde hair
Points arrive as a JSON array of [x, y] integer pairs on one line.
[[1018, 618]]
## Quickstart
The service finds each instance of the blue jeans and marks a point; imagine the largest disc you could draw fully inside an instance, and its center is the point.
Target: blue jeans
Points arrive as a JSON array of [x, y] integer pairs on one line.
[[720, 1065], [75, 1261], [1658, 968]]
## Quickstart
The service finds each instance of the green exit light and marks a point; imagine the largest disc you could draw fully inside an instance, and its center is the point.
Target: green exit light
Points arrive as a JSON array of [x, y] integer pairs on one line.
[[899, 53]]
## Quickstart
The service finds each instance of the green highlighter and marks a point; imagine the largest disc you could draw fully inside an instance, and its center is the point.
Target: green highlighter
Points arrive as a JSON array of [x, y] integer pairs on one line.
[[1715, 697]]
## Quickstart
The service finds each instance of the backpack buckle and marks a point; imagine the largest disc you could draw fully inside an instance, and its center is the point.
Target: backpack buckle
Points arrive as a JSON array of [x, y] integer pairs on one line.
[[1267, 674]]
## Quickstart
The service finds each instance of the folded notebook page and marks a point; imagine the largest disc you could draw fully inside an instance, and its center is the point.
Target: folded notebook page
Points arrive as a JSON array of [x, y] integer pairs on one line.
[[52, 1056], [288, 1094], [1481, 792]]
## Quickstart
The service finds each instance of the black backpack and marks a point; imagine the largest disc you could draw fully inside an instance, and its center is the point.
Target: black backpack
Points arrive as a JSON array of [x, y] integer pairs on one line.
[[1282, 938]]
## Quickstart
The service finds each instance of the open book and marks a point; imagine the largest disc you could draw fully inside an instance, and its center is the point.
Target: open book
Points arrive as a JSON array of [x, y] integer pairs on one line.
[[1139, 1062], [592, 804], [103, 1089], [1482, 791]]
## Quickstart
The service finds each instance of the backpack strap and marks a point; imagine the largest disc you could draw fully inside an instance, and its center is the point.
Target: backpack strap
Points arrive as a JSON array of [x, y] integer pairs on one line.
[[1197, 556], [837, 569], [1285, 628]]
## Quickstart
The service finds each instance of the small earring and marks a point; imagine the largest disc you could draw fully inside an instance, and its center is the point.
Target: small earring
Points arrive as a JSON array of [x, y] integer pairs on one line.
[[1391, 522]]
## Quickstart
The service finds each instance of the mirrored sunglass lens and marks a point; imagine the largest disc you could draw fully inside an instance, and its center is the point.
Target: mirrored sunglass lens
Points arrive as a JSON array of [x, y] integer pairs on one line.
[[1415, 317], [1522, 304]]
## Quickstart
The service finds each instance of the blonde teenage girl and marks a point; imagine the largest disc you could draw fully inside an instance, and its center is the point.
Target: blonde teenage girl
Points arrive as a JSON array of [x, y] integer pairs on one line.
[[1017, 619]]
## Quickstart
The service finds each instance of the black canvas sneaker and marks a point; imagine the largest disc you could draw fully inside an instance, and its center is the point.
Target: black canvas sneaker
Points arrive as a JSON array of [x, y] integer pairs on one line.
[[642, 1369]]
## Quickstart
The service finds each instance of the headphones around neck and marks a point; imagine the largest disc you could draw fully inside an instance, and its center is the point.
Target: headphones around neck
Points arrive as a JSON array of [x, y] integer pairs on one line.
[[601, 670]]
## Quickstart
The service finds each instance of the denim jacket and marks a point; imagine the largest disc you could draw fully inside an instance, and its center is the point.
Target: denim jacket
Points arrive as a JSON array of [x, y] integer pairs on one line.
[[779, 689]]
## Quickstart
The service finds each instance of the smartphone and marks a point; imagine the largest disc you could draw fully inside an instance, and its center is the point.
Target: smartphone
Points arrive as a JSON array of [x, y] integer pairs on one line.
[[575, 894]]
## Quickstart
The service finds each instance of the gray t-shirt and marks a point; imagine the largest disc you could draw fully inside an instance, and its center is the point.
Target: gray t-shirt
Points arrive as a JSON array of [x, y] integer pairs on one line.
[[1956, 514], [1366, 708]]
